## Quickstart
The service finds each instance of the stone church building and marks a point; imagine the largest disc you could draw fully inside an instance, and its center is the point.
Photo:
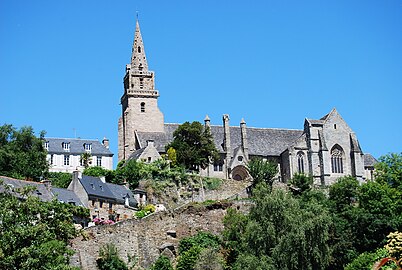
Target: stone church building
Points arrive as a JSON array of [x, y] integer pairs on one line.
[[325, 148]]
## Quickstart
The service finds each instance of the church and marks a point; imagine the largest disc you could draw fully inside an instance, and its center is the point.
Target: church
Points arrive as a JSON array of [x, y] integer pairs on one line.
[[325, 148]]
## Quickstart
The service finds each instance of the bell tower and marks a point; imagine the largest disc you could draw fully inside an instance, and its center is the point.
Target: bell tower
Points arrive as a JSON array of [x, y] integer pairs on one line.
[[139, 102]]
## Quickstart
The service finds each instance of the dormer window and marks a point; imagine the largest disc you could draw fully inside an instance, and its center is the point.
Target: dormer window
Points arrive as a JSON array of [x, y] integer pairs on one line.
[[92, 186], [66, 146], [46, 145], [87, 146]]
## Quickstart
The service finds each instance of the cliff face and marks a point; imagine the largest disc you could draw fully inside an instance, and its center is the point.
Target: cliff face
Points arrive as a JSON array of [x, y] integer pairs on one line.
[[149, 237]]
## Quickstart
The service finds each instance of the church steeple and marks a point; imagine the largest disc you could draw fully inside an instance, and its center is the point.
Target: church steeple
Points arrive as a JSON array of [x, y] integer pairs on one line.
[[140, 112], [138, 58]]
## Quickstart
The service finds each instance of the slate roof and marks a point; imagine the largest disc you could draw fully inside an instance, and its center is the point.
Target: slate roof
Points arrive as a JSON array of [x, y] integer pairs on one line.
[[261, 141], [76, 146], [369, 160], [41, 191], [135, 155], [66, 196], [95, 188]]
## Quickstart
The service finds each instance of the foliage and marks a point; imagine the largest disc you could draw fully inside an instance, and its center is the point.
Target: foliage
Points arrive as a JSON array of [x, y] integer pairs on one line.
[[282, 232], [262, 171], [109, 259], [302, 182], [59, 179], [366, 260], [172, 156], [344, 193], [209, 259], [389, 170], [201, 239], [34, 234], [22, 154], [212, 183], [98, 171], [189, 258], [394, 244], [194, 146], [86, 159], [162, 263]]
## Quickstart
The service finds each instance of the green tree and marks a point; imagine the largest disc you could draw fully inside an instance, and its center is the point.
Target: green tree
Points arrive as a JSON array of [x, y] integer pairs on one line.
[[34, 234], [194, 146], [389, 170], [22, 154], [209, 259], [162, 263], [98, 171], [171, 155], [302, 182], [59, 179], [86, 159], [262, 171], [109, 259], [131, 172]]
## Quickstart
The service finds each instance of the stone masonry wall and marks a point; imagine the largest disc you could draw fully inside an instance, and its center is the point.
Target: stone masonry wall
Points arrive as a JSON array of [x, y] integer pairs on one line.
[[146, 238]]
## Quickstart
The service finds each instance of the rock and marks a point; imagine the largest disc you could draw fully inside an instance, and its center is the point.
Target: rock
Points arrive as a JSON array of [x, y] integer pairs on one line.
[[168, 253], [169, 246]]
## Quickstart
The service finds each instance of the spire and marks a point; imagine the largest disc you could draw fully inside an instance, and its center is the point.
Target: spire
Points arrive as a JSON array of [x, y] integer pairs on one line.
[[138, 59]]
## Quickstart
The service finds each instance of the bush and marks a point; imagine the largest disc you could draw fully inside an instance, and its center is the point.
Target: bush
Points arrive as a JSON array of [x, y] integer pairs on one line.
[[162, 263], [201, 239], [188, 259], [212, 183], [109, 259]]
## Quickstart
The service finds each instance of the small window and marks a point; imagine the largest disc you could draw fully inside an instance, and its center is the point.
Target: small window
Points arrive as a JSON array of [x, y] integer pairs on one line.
[[66, 160], [87, 146], [92, 186], [141, 83], [99, 161], [66, 146], [139, 49], [101, 187], [240, 158], [142, 106], [100, 204], [51, 159], [149, 159], [334, 126]]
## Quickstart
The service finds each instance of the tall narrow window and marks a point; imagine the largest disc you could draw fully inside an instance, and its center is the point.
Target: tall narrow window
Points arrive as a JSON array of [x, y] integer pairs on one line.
[[139, 49], [300, 162], [66, 160], [337, 159], [141, 83], [51, 159], [99, 161], [142, 106]]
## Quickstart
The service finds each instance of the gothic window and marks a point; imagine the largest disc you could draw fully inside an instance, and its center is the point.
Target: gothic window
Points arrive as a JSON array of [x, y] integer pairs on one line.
[[139, 49], [300, 162], [142, 106], [337, 159]]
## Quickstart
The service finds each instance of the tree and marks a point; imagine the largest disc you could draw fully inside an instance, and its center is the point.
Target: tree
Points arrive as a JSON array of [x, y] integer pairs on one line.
[[302, 182], [86, 159], [34, 234], [389, 170], [262, 171], [59, 179], [280, 233], [22, 154], [98, 171], [194, 146]]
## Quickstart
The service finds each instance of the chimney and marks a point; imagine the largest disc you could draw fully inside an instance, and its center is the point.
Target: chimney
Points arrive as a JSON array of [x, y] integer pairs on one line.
[[102, 178], [226, 143], [207, 122], [150, 143], [47, 183], [77, 175], [244, 143], [105, 142]]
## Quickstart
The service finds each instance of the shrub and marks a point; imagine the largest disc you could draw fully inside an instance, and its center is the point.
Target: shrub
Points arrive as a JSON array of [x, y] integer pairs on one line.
[[162, 263], [109, 259]]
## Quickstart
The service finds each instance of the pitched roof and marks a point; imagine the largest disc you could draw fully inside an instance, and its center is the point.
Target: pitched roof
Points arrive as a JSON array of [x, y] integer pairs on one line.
[[98, 189], [66, 196], [261, 141], [369, 160], [77, 146], [136, 154], [41, 190]]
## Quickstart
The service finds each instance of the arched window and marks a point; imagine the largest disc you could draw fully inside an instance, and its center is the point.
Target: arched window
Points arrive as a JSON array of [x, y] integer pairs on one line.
[[142, 106], [337, 159], [300, 162]]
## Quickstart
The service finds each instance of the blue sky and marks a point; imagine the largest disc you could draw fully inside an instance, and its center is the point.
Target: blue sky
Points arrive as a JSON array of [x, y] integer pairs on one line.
[[272, 62]]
